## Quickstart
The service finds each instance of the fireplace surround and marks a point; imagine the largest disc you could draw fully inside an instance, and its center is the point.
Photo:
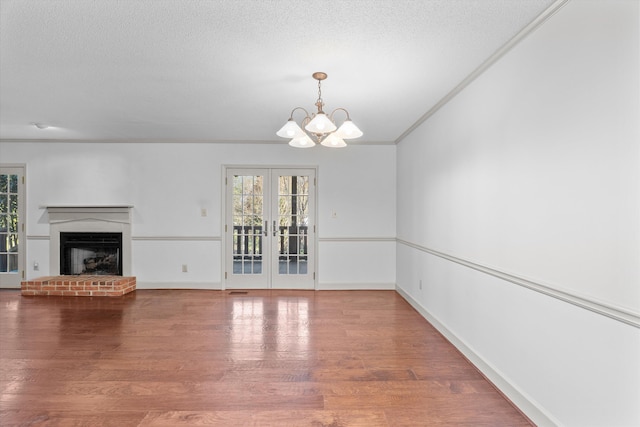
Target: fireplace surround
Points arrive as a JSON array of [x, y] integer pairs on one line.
[[88, 220]]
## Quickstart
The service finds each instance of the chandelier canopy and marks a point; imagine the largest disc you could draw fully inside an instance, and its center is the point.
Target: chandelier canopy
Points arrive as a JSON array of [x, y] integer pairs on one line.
[[319, 125]]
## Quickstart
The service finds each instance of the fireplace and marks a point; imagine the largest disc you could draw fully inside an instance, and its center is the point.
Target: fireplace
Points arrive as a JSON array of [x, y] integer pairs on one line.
[[100, 235], [92, 253]]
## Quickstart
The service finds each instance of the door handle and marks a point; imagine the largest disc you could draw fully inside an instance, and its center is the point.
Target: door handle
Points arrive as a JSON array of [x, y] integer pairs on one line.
[[274, 228], [266, 226]]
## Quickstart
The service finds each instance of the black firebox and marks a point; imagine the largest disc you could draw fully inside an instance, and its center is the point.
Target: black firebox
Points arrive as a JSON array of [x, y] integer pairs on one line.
[[91, 253]]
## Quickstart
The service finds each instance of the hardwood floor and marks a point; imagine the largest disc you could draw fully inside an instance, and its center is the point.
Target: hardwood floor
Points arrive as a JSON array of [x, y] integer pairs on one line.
[[264, 358]]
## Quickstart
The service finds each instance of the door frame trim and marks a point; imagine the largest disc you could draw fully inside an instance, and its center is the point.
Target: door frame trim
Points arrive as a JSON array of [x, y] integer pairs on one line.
[[22, 225], [223, 213]]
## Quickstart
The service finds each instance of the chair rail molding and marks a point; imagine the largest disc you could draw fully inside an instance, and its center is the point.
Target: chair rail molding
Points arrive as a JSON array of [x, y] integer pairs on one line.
[[616, 313]]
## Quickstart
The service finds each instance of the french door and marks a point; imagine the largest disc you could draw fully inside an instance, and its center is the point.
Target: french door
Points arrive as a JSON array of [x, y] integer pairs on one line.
[[270, 228], [12, 236]]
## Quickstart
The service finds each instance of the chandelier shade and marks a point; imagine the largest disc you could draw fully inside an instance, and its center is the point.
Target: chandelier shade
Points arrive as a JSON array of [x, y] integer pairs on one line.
[[320, 127], [348, 130], [290, 130], [333, 141], [320, 124], [302, 142]]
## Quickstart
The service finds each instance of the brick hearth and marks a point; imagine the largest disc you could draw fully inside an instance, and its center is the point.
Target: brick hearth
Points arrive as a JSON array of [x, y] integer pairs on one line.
[[80, 286]]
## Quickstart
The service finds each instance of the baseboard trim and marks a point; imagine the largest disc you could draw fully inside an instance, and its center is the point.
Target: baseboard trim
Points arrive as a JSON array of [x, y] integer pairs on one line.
[[179, 238], [180, 285], [520, 399], [368, 286], [357, 239]]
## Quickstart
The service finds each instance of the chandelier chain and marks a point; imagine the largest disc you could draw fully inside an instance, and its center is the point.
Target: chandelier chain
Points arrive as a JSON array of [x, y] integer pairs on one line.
[[319, 92]]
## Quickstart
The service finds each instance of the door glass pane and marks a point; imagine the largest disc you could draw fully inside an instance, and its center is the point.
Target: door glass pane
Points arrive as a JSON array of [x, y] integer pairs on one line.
[[293, 221], [248, 222], [9, 243], [13, 263]]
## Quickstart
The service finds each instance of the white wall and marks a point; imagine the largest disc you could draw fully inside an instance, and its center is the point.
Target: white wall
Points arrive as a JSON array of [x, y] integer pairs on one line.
[[531, 173], [169, 183]]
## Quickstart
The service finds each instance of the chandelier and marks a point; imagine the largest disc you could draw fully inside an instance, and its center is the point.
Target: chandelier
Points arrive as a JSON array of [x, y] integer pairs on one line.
[[319, 126]]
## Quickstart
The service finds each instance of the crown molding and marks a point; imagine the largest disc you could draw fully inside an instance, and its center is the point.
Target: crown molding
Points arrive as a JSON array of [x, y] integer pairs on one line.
[[172, 141], [503, 50]]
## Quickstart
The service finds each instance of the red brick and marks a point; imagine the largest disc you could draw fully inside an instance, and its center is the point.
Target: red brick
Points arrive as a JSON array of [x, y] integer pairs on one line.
[[79, 286]]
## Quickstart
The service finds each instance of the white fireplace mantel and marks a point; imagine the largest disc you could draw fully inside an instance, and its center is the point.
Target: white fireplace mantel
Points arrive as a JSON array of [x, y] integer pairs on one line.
[[89, 218], [115, 213]]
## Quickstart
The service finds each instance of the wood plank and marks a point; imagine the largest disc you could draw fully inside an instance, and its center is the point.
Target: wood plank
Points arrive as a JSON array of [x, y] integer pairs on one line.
[[274, 418], [268, 358]]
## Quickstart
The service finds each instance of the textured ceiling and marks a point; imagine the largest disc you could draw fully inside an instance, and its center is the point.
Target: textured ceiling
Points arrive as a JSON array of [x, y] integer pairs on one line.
[[232, 70]]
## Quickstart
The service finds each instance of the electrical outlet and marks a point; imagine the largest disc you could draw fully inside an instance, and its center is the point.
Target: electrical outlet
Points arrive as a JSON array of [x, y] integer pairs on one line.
[[184, 268], [36, 266]]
